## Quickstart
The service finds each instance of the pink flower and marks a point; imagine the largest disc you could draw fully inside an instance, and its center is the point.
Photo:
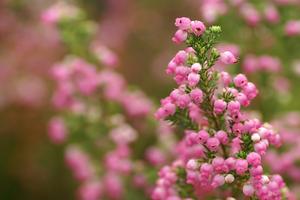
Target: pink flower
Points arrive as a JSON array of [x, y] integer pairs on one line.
[[233, 107], [155, 156], [171, 67], [90, 190], [183, 101], [222, 137], [192, 164], [250, 91], [79, 163], [218, 164], [226, 78], [218, 180], [57, 130], [242, 99], [292, 28], [230, 163], [193, 79], [271, 14], [203, 136], [180, 57], [196, 67], [219, 106], [250, 64], [183, 23], [250, 14], [241, 166], [248, 190], [213, 144], [227, 58], [254, 159], [240, 80], [180, 36], [261, 147], [198, 27], [238, 128], [196, 95], [206, 169]]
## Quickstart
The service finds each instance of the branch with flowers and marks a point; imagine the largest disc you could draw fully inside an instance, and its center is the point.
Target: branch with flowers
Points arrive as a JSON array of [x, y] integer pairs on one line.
[[112, 146], [221, 152]]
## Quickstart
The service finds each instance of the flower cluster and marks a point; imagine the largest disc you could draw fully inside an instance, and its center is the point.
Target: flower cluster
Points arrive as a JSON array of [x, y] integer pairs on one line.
[[269, 12], [288, 125], [222, 150], [99, 119], [76, 78]]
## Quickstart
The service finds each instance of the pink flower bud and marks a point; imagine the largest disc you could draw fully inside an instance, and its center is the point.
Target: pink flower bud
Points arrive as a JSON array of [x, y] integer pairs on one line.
[[250, 14], [250, 64], [196, 67], [180, 36], [191, 138], [271, 14], [292, 28], [203, 136], [192, 164], [181, 57], [193, 79], [248, 190], [159, 193], [219, 106], [230, 162], [218, 164], [169, 108], [256, 171], [183, 23], [57, 130], [198, 27], [240, 80], [238, 128], [183, 101], [228, 58], [90, 190], [217, 181], [233, 107], [213, 144], [206, 169], [241, 166], [242, 99], [171, 67], [222, 137], [254, 159], [196, 96], [250, 91], [226, 78], [260, 147]]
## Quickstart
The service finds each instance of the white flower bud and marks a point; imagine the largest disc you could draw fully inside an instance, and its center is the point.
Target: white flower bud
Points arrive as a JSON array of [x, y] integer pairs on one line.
[[196, 67], [229, 178], [255, 137], [230, 198], [265, 179]]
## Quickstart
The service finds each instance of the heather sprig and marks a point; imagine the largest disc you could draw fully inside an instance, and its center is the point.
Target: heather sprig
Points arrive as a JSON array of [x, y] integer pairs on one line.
[[221, 151], [98, 117]]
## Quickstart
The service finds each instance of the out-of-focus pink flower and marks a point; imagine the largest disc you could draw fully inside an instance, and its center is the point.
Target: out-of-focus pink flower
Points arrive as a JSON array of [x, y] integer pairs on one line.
[[57, 131], [155, 156], [91, 190], [79, 163], [292, 27], [105, 55], [271, 14]]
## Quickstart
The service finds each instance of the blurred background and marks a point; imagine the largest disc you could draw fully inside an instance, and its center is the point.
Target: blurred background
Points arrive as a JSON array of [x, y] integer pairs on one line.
[[139, 32]]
